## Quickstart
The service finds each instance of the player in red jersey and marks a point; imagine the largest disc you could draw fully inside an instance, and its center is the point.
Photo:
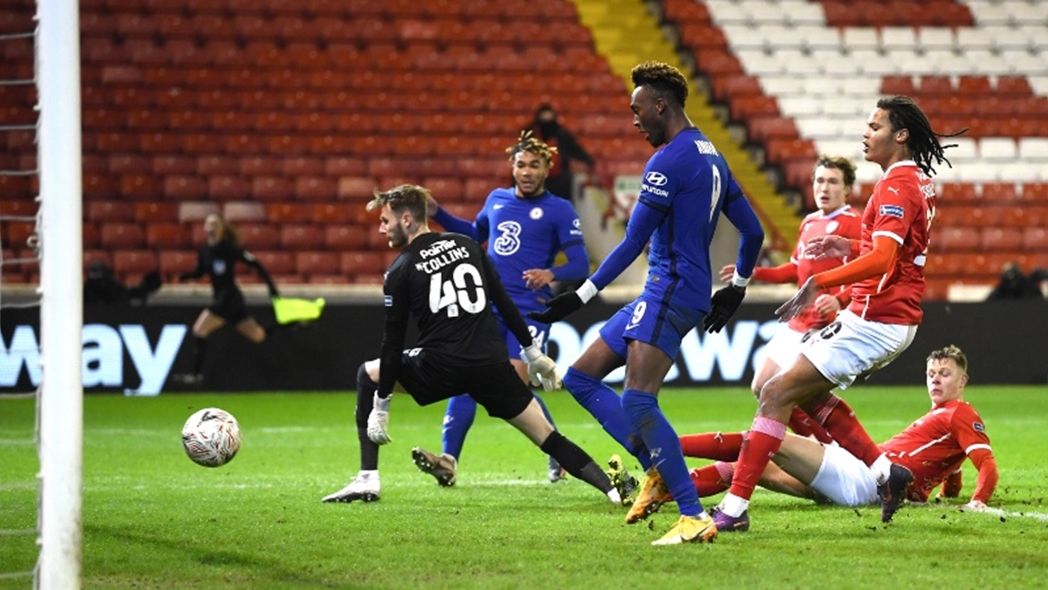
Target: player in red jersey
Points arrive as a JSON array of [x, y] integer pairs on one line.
[[832, 181], [932, 448], [878, 325]]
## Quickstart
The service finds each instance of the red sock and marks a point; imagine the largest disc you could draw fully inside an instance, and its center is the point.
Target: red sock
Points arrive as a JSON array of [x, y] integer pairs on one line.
[[712, 445], [804, 425], [837, 417], [712, 479], [762, 441]]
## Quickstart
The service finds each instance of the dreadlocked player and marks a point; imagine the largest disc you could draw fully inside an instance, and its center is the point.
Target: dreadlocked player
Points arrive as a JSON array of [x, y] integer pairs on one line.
[[879, 323], [525, 227]]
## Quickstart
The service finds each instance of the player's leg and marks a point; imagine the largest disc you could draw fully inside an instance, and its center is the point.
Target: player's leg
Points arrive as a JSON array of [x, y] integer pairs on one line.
[[458, 418], [646, 367], [584, 381], [576, 461], [206, 323], [503, 395], [837, 418], [780, 352], [366, 485], [779, 396], [554, 471], [252, 330]]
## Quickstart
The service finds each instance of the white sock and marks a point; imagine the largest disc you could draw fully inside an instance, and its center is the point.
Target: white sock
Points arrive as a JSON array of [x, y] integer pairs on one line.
[[733, 505], [369, 473], [881, 468], [614, 496]]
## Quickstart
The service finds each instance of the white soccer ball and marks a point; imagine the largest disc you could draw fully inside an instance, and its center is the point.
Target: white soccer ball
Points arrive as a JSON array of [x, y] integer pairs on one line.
[[211, 437]]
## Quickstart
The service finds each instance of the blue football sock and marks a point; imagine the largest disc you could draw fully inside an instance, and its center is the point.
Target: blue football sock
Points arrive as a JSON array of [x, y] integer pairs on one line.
[[643, 412], [603, 403], [457, 420]]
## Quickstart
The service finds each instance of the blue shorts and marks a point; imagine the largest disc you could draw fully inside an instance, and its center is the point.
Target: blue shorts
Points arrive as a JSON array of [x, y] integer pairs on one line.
[[539, 333], [654, 322]]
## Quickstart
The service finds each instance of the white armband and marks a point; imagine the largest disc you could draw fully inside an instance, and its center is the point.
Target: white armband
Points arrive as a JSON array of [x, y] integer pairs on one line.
[[587, 291], [739, 280]]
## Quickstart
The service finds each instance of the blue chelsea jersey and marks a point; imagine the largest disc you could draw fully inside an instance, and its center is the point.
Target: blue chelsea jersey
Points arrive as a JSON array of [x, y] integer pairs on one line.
[[526, 233], [689, 182]]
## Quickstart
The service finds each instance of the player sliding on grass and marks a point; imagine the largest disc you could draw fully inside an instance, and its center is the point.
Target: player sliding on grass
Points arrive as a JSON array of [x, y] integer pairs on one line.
[[932, 448], [685, 188], [447, 282], [880, 322]]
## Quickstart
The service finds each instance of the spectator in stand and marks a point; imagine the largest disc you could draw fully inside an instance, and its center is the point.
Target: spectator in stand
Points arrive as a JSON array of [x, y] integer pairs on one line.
[[566, 151], [1014, 284]]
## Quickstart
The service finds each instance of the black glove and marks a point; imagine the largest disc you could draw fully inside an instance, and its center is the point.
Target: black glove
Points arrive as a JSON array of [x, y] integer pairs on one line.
[[725, 302], [557, 308]]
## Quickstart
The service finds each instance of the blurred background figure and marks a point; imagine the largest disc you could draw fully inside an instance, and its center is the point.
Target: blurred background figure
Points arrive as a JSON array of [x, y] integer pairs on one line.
[[102, 287], [1014, 284], [568, 151]]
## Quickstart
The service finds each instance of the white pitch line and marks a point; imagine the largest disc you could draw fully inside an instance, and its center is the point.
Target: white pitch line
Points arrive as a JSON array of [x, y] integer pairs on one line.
[[1009, 514]]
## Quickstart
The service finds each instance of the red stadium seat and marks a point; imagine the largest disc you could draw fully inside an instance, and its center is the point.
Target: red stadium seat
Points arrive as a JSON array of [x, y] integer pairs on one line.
[[100, 211], [1035, 239], [175, 262], [258, 236], [287, 212], [363, 264], [301, 237], [118, 235], [345, 237], [948, 238], [167, 235], [131, 263], [145, 211], [1000, 192], [277, 262], [996, 239], [317, 263]]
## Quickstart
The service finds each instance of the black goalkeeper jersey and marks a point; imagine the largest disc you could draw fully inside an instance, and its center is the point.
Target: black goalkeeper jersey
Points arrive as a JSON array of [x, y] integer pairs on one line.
[[449, 284]]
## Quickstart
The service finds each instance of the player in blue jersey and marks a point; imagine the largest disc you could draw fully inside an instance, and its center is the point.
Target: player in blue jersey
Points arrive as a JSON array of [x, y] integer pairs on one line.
[[525, 227], [685, 188]]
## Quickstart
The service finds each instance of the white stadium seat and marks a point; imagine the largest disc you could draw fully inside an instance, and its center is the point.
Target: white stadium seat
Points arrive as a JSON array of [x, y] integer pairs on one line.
[[898, 38], [856, 38], [935, 38], [997, 148], [1033, 148]]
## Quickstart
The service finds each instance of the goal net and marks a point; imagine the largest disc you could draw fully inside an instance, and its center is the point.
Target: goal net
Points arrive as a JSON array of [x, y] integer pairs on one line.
[[46, 231]]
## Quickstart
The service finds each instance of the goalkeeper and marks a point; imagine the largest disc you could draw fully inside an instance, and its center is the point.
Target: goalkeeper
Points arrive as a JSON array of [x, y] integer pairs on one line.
[[447, 282]]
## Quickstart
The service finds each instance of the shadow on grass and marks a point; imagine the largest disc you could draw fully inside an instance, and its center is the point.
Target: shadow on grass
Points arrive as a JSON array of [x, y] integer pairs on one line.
[[268, 571]]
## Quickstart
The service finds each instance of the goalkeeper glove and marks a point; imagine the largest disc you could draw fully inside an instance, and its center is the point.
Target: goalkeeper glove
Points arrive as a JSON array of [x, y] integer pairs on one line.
[[378, 420], [541, 369]]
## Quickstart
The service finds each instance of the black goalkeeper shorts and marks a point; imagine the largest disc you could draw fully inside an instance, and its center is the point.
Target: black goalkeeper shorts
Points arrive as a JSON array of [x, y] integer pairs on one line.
[[429, 377]]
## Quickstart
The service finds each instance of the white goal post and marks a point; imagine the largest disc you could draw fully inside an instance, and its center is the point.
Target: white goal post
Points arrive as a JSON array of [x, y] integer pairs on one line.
[[60, 405]]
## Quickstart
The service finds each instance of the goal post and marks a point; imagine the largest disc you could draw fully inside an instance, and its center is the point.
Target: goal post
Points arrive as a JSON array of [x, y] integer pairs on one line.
[[61, 287]]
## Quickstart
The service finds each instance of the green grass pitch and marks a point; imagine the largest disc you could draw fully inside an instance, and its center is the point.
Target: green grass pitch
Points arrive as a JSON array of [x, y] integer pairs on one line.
[[153, 519]]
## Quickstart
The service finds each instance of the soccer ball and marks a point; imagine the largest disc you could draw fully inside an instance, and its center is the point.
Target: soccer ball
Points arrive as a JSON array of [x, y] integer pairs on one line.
[[211, 437]]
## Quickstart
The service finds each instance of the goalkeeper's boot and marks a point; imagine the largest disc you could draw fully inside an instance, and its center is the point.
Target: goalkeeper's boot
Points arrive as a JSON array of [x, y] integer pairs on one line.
[[556, 472], [365, 486], [653, 494], [731, 524], [893, 491], [625, 483], [442, 467], [690, 529]]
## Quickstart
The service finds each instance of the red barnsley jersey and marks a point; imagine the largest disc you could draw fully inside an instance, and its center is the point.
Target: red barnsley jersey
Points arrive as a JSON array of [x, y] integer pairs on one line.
[[842, 222], [936, 444], [902, 208]]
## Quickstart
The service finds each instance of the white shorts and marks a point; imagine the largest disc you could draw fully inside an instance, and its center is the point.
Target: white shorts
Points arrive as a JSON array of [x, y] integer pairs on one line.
[[852, 347], [844, 479], [784, 346]]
